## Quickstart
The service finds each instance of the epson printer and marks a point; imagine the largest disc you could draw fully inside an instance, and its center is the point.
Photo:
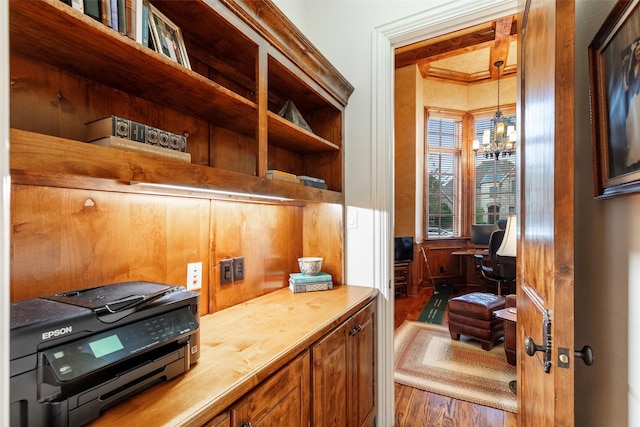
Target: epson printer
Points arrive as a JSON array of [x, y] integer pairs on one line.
[[74, 354]]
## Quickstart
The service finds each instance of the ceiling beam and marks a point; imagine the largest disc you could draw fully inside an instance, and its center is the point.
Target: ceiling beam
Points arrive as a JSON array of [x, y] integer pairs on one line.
[[500, 48], [495, 35], [456, 45]]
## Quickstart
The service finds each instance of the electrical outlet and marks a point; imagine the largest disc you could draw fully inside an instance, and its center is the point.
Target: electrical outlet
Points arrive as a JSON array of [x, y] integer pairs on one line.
[[226, 271], [238, 268], [194, 275]]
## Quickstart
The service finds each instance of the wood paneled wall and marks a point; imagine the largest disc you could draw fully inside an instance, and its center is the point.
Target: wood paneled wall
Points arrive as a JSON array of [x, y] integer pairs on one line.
[[269, 238], [65, 238], [440, 265]]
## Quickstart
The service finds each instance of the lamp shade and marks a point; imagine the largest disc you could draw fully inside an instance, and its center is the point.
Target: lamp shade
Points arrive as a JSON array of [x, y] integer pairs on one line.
[[508, 246]]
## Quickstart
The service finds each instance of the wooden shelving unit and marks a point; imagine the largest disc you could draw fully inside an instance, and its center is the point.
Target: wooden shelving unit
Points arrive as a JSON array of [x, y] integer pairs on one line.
[[243, 70]]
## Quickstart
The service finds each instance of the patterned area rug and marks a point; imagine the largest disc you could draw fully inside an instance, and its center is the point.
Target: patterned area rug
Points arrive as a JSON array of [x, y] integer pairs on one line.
[[428, 359]]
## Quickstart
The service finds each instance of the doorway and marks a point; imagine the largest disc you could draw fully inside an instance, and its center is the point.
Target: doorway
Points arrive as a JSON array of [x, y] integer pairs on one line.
[[386, 38]]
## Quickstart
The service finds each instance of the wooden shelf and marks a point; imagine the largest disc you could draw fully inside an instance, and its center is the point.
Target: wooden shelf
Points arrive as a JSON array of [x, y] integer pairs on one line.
[[287, 135], [83, 46], [35, 155]]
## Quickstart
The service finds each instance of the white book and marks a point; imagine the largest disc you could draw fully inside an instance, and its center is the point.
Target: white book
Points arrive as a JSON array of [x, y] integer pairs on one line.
[[138, 20], [78, 5]]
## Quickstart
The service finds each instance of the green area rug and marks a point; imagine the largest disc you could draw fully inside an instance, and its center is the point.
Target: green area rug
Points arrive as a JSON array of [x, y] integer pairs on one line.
[[435, 307]]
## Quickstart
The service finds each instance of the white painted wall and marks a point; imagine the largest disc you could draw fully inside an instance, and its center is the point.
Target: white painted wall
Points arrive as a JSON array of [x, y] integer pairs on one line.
[[607, 267]]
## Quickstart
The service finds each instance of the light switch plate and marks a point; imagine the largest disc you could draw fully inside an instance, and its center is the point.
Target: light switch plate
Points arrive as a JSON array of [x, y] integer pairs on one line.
[[226, 271]]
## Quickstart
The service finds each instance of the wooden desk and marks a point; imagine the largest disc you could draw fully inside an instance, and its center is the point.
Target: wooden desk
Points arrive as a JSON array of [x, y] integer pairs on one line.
[[468, 263], [471, 251]]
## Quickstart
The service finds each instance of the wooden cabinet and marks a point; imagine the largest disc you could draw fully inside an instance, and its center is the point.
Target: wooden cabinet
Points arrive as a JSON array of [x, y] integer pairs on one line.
[[338, 391], [343, 374], [247, 61], [281, 400], [401, 278]]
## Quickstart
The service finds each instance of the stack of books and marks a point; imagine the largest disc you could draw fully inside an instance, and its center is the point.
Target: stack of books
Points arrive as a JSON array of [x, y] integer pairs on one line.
[[281, 176], [125, 134], [299, 282], [310, 181]]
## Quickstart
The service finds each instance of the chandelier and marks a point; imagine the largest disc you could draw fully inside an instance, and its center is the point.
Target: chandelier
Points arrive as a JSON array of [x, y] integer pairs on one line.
[[501, 139]]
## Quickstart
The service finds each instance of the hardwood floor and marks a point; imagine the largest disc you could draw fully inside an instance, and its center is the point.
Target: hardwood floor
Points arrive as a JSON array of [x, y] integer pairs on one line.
[[417, 408]]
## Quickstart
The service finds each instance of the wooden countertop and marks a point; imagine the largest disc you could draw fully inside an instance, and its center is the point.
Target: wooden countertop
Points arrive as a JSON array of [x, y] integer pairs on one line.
[[240, 346]]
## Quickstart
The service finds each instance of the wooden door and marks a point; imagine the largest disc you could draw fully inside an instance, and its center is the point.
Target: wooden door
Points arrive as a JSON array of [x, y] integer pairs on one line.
[[546, 225]]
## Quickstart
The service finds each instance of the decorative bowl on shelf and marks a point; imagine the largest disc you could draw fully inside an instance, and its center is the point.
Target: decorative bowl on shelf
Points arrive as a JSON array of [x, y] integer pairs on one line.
[[310, 265]]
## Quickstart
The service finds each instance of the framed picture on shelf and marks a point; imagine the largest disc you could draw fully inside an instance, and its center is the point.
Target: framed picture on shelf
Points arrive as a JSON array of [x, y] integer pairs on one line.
[[614, 75], [167, 37]]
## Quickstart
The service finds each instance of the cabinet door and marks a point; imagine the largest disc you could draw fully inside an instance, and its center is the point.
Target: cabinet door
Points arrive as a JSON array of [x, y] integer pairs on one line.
[[330, 379], [281, 400], [221, 420], [362, 349]]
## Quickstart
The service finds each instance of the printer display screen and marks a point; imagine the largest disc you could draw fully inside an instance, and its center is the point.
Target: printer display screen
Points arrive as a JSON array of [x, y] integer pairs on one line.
[[76, 358], [106, 345]]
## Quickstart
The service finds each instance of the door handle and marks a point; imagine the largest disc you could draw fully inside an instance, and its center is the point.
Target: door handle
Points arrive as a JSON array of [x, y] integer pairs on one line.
[[586, 354], [531, 347]]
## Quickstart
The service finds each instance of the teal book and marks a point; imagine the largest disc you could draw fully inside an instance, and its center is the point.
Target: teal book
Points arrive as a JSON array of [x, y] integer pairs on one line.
[[144, 22], [303, 278]]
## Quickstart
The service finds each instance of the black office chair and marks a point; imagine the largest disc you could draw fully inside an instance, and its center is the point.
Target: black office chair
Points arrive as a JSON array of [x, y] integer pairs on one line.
[[496, 268]]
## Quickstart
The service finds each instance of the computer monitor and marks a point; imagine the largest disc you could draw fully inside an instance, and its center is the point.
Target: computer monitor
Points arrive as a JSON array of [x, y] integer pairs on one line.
[[403, 250], [480, 233]]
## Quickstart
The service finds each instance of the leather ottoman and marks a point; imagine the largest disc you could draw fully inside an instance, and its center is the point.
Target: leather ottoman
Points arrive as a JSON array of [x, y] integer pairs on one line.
[[472, 315]]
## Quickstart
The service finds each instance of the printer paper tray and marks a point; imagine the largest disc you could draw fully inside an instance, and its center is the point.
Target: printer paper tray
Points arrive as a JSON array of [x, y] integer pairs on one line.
[[87, 405]]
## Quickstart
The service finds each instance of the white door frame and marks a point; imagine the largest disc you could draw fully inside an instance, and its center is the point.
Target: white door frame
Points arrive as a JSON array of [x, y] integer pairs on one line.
[[436, 21], [5, 188]]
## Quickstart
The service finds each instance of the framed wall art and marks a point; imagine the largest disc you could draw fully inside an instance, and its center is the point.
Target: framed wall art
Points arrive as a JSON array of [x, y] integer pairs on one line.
[[167, 37], [614, 74]]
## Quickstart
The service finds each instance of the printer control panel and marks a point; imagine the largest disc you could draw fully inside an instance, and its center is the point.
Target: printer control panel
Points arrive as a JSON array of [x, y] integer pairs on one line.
[[86, 355]]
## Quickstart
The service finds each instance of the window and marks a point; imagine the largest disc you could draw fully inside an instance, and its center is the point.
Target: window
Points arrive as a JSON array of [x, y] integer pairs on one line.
[[495, 185], [444, 152]]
